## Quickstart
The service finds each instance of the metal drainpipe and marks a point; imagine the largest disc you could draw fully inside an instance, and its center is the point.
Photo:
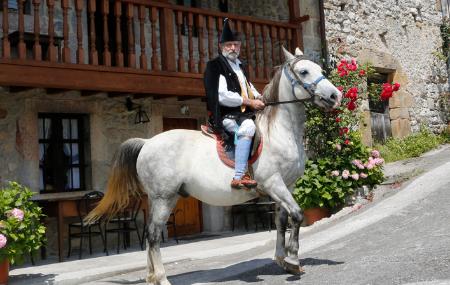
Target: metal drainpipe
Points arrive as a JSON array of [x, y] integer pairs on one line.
[[323, 38]]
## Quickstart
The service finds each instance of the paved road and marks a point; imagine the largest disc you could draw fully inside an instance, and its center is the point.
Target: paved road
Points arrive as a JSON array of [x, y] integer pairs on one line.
[[409, 246]]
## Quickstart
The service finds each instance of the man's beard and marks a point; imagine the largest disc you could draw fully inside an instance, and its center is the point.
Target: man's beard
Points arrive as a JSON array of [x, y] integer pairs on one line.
[[231, 55]]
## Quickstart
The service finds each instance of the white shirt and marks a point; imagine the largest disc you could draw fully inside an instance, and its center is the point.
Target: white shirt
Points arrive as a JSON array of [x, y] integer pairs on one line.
[[230, 98]]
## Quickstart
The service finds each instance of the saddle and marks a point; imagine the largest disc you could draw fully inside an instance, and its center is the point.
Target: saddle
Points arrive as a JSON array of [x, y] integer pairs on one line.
[[226, 152]]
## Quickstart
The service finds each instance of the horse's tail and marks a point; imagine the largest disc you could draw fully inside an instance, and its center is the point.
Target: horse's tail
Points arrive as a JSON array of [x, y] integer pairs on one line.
[[123, 182]]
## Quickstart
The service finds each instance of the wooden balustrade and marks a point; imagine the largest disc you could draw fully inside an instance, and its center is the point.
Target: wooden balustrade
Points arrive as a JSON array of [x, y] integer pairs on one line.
[[170, 38]]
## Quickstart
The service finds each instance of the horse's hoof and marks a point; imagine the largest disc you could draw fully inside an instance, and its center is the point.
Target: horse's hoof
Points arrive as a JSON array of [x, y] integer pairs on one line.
[[292, 266], [279, 260]]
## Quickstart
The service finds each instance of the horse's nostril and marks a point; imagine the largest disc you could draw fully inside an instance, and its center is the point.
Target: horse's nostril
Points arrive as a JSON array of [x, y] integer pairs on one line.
[[333, 96]]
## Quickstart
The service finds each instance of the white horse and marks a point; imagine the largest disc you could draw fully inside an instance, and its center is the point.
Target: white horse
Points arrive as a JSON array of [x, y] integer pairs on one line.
[[185, 162]]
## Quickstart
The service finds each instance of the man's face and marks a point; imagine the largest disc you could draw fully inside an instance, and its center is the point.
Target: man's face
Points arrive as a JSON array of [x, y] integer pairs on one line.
[[231, 50]]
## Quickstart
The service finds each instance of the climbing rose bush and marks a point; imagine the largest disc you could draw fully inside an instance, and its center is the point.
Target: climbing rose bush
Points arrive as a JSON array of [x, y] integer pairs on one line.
[[340, 163]]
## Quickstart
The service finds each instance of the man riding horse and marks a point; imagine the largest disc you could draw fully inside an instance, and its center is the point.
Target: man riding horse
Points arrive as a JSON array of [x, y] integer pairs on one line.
[[231, 102]]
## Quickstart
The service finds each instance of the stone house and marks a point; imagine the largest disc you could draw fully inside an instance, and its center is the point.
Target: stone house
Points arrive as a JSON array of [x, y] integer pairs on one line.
[[68, 67], [402, 39]]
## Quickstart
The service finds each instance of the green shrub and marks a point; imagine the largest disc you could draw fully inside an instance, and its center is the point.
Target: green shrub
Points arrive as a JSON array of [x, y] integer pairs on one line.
[[411, 146]]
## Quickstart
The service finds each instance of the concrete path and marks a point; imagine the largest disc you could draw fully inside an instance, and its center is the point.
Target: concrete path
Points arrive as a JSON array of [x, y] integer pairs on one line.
[[434, 168]]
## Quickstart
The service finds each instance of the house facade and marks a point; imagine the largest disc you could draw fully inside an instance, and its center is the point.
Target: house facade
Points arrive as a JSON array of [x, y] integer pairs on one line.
[[79, 77]]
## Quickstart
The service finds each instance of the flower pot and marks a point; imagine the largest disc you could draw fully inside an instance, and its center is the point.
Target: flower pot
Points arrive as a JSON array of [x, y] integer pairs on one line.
[[312, 215], [4, 272]]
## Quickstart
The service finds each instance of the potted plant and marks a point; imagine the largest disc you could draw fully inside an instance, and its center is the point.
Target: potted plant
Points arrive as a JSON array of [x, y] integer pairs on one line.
[[21, 230], [340, 163]]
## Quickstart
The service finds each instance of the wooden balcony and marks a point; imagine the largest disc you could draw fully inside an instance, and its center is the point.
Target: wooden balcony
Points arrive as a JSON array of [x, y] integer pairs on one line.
[[136, 47]]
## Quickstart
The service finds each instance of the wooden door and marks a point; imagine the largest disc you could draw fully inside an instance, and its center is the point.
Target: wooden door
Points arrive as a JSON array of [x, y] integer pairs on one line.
[[188, 210]]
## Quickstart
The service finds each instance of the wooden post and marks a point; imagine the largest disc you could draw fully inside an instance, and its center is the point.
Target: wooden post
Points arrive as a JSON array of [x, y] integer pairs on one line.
[[294, 14], [191, 63], [37, 51], [247, 27], [153, 19], [210, 36], [66, 49], [22, 46], [106, 52], [180, 41], [93, 55], [6, 46], [167, 40], [256, 39], [80, 51], [131, 48], [52, 52], [143, 56], [265, 32], [201, 48], [117, 13]]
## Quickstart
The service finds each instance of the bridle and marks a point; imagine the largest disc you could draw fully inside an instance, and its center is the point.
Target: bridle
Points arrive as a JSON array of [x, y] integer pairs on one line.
[[295, 80]]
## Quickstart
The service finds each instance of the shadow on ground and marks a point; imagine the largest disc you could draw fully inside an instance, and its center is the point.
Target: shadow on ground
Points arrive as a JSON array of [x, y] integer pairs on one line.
[[242, 272]]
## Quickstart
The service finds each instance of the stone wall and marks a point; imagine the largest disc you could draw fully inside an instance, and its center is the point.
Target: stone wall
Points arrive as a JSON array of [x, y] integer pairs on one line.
[[400, 37]]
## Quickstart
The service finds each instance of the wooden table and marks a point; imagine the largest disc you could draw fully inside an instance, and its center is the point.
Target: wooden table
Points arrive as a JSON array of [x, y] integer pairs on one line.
[[63, 206]]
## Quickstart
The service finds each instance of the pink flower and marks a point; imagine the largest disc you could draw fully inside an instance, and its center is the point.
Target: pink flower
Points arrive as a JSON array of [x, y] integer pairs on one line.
[[15, 213], [335, 173], [370, 165], [378, 161], [375, 153], [363, 175], [345, 174], [338, 147], [358, 163], [3, 241], [355, 176]]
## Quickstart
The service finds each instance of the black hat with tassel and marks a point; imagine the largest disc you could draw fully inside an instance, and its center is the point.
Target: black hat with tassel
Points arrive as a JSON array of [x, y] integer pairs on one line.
[[227, 34]]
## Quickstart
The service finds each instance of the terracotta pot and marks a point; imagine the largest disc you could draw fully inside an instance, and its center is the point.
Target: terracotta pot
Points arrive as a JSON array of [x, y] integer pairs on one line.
[[312, 215], [4, 272]]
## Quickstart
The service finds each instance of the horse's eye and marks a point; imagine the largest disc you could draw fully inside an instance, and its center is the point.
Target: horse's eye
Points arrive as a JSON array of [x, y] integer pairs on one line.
[[303, 72]]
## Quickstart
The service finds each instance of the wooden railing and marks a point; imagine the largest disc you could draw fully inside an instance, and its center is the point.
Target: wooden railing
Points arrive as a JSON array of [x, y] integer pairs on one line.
[[139, 37]]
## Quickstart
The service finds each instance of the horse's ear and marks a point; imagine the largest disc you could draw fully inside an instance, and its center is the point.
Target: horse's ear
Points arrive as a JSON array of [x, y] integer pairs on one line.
[[298, 52], [287, 55]]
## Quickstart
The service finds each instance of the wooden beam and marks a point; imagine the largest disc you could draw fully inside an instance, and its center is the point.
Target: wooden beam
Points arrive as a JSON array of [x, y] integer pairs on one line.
[[98, 78], [186, 98]]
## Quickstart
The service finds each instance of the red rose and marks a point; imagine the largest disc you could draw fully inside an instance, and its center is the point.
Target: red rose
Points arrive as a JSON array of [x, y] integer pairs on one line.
[[352, 93], [396, 86], [351, 106], [343, 73], [340, 88], [338, 120], [362, 72], [347, 142]]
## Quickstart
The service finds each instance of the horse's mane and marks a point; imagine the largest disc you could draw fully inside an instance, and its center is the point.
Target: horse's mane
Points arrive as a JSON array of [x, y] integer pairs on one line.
[[271, 94]]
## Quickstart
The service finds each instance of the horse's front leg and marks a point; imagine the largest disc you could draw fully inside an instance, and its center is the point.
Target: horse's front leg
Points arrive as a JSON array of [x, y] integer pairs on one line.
[[276, 188]]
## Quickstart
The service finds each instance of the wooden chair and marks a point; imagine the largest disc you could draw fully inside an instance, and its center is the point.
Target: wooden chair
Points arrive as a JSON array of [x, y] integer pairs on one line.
[[124, 223], [80, 229]]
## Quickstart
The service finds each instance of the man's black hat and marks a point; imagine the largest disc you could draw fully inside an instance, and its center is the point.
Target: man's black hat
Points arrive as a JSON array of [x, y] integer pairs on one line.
[[227, 34]]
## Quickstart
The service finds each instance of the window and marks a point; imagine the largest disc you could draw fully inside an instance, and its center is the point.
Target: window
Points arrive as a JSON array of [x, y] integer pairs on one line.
[[379, 110], [62, 156]]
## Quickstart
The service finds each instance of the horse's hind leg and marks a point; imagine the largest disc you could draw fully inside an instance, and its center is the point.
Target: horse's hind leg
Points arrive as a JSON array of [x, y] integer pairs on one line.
[[159, 214]]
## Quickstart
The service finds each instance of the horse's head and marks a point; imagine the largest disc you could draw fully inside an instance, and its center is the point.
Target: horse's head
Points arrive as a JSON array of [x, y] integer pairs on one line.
[[307, 81]]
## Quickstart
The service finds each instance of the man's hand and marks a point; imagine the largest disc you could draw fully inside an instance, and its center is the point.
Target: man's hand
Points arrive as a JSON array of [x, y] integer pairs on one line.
[[254, 104]]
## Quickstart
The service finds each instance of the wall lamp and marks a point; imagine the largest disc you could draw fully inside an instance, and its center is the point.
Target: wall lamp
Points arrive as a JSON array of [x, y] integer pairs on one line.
[[141, 115]]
